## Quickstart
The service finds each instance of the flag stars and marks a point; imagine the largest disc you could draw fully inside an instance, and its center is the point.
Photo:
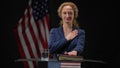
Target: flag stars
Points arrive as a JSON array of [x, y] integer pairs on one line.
[[40, 9], [37, 13], [46, 11], [36, 18], [36, 2]]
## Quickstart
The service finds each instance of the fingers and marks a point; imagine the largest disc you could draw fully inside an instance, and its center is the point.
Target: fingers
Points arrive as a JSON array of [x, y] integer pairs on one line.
[[71, 53], [75, 32], [65, 53], [72, 35]]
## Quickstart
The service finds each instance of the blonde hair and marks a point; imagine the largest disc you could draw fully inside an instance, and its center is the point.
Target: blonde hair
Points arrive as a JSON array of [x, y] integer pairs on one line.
[[74, 7]]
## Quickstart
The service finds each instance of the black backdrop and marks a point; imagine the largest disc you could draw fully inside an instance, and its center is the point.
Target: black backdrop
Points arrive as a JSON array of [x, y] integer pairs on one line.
[[98, 18]]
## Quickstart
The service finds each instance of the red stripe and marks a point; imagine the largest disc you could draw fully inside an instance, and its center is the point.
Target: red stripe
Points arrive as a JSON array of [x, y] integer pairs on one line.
[[48, 24], [35, 40], [25, 35], [28, 44], [31, 33], [22, 23], [26, 65], [20, 47], [34, 37], [48, 28], [45, 43], [40, 35]]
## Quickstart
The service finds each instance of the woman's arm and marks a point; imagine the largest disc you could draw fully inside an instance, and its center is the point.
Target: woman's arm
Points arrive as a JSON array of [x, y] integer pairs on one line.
[[55, 42], [80, 42]]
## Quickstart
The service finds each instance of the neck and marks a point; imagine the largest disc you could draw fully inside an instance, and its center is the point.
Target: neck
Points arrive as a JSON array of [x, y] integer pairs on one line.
[[67, 25], [67, 28]]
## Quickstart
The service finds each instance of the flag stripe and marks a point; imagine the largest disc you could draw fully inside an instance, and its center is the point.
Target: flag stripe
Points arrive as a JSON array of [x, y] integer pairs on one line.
[[47, 28], [32, 31], [40, 42], [44, 23], [25, 49], [41, 33], [26, 34], [29, 35], [20, 48], [32, 48]]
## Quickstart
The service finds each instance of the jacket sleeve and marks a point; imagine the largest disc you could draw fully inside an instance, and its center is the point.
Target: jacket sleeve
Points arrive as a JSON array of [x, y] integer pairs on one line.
[[81, 42], [55, 43]]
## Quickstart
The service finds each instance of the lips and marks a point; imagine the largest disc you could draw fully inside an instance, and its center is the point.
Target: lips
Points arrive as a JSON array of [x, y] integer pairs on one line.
[[68, 18]]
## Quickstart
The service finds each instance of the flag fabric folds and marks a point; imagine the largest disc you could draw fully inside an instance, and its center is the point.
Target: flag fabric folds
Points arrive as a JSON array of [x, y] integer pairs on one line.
[[32, 31]]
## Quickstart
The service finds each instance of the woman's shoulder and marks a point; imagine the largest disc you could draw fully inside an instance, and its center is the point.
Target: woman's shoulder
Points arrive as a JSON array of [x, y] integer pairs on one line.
[[81, 30], [54, 29]]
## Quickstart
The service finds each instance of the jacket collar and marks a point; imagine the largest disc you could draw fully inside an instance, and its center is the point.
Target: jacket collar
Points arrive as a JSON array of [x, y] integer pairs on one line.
[[60, 29]]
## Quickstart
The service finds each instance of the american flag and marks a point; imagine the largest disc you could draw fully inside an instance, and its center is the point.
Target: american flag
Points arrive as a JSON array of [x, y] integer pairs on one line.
[[32, 31]]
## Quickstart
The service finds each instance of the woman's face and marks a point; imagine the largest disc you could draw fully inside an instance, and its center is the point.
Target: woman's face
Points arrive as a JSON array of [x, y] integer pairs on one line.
[[67, 14]]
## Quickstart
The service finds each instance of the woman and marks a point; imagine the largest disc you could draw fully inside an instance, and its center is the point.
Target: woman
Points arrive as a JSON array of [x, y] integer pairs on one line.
[[68, 38]]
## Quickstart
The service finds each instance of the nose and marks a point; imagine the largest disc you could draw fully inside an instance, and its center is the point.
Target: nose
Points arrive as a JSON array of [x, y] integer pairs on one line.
[[68, 15]]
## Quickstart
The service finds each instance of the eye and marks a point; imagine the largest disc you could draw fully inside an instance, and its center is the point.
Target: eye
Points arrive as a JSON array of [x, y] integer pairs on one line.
[[70, 13], [64, 12]]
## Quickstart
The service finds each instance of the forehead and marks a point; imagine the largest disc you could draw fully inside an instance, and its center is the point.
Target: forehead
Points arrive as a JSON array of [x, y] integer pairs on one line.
[[67, 7]]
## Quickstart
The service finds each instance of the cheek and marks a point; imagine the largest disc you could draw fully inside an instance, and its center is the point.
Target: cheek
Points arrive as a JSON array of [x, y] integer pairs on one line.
[[63, 16]]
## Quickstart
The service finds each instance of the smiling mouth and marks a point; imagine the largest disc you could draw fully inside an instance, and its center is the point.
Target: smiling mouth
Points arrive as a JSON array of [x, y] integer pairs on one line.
[[68, 18]]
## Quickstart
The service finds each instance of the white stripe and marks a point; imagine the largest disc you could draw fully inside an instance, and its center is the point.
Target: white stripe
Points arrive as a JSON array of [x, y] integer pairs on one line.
[[24, 45], [42, 31], [40, 47], [36, 32], [32, 44], [46, 29], [29, 2]]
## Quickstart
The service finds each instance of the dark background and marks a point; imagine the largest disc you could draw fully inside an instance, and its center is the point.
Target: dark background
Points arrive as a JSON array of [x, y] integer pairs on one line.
[[98, 18]]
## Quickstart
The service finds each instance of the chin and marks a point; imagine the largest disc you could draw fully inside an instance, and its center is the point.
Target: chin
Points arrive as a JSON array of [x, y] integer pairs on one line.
[[68, 21]]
